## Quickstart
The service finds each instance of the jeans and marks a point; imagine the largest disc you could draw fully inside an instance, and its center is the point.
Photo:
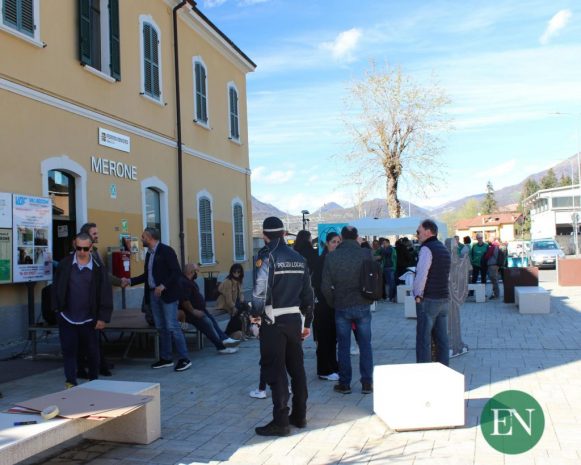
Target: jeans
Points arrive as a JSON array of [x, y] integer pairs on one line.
[[389, 279], [432, 321], [361, 316], [208, 326], [166, 321]]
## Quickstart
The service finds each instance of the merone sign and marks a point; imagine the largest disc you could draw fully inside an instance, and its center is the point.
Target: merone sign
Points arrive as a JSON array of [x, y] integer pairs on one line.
[[114, 168]]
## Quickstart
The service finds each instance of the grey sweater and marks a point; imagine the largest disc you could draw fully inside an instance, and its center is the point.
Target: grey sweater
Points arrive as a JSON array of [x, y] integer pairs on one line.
[[340, 284]]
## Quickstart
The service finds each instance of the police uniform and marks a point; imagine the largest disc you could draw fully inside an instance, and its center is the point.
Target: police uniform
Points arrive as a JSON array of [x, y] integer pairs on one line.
[[284, 298]]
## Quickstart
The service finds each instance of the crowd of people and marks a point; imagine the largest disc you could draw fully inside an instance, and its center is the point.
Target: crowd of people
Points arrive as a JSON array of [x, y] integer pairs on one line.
[[294, 288]]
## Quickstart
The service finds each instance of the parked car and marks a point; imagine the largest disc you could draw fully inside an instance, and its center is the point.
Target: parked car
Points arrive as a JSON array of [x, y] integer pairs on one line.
[[544, 253]]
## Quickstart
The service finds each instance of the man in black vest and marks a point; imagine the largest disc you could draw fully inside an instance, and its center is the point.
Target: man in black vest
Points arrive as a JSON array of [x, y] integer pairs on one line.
[[431, 294]]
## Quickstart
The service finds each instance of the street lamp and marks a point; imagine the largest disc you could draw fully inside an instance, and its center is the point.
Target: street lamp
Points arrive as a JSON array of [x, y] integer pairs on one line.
[[574, 216], [305, 220]]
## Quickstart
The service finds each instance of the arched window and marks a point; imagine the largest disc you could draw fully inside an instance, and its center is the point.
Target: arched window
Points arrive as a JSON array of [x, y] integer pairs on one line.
[[61, 190], [205, 228], [233, 112], [200, 92], [238, 230], [151, 82], [152, 208], [154, 204]]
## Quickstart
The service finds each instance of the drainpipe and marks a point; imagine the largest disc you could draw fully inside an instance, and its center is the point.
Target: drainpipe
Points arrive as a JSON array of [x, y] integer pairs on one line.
[[179, 128]]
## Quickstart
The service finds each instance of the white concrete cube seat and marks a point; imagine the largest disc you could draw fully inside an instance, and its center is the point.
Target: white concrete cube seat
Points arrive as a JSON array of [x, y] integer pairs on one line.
[[141, 426], [402, 291], [532, 299], [418, 396], [479, 291], [409, 307]]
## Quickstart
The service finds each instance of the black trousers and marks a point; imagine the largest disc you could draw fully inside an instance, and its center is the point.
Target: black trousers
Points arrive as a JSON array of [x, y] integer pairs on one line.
[[75, 339], [478, 270], [325, 334], [281, 351]]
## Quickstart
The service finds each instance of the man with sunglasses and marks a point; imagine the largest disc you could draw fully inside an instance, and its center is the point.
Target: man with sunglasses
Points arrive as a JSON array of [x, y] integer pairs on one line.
[[83, 300]]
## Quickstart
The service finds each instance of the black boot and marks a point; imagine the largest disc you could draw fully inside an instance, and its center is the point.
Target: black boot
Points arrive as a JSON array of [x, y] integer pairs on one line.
[[272, 430]]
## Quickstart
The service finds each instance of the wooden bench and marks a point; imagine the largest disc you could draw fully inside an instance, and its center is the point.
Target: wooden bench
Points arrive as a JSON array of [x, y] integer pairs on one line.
[[479, 291], [141, 426], [532, 299], [131, 320]]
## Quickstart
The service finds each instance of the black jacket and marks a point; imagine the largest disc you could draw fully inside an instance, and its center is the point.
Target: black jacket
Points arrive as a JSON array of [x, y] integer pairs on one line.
[[282, 281], [166, 270], [341, 285], [101, 291]]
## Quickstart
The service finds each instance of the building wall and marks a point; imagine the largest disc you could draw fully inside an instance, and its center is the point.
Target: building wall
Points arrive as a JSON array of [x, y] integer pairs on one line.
[[52, 109]]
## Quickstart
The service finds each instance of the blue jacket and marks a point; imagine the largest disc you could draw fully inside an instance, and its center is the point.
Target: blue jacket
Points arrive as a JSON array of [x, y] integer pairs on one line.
[[282, 280]]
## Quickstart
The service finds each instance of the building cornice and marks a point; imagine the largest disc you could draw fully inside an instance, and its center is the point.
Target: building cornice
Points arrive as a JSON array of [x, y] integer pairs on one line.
[[198, 22]]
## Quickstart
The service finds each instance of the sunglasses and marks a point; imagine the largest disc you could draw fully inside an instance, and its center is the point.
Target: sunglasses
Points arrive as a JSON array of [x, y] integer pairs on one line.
[[84, 249]]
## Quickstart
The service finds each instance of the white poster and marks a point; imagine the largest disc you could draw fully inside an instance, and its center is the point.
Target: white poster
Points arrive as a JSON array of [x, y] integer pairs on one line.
[[5, 210], [31, 238]]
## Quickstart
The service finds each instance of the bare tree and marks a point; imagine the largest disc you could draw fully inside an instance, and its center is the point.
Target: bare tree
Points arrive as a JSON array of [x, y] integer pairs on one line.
[[396, 123]]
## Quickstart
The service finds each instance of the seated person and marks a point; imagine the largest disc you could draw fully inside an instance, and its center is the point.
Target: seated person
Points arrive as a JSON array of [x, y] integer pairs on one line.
[[231, 300], [193, 310]]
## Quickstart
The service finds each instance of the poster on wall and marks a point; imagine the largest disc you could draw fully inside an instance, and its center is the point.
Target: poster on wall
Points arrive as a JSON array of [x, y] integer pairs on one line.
[[5, 210], [31, 238], [5, 256]]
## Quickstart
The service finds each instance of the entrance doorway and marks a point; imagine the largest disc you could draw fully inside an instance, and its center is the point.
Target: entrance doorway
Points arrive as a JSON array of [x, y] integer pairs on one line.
[[61, 189]]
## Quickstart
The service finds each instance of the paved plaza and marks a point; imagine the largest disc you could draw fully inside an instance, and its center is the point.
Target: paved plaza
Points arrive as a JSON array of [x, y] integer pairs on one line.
[[208, 417]]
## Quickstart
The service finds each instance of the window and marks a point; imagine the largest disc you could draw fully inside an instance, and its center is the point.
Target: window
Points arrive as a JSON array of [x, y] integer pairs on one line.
[[205, 229], [233, 112], [21, 16], [154, 206], [566, 202], [99, 36], [200, 92], [152, 209], [151, 63], [238, 230]]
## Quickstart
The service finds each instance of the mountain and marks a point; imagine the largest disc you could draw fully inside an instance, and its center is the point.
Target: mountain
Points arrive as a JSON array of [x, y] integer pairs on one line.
[[510, 195], [507, 199], [263, 210], [328, 207]]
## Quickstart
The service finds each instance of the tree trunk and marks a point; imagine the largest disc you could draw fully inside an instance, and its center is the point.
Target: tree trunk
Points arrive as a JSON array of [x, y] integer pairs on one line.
[[393, 203]]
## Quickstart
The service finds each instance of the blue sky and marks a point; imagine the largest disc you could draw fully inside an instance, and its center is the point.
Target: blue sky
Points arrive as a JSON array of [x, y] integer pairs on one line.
[[506, 65]]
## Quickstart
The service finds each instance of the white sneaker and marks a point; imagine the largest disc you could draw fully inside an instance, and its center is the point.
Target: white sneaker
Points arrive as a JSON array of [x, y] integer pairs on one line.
[[228, 350], [331, 377], [229, 342], [354, 350], [258, 394]]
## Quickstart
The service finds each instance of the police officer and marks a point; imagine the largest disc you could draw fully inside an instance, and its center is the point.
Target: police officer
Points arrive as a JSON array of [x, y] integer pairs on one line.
[[282, 300]]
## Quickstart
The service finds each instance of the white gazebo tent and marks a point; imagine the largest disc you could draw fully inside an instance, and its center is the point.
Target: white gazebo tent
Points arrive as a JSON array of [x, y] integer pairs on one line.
[[394, 226]]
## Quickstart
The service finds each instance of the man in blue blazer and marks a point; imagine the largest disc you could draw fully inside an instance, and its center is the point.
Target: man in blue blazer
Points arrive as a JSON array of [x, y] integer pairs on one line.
[[161, 277]]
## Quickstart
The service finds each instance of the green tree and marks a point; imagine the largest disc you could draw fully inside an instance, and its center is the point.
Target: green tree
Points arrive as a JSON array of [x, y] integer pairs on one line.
[[523, 229], [396, 126], [489, 204], [549, 180], [565, 181], [468, 210]]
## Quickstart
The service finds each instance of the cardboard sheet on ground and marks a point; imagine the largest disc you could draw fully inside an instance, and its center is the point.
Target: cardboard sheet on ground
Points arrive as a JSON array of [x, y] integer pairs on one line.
[[81, 402]]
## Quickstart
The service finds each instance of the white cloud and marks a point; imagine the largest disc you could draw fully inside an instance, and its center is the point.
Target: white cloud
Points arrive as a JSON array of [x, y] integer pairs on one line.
[[556, 24], [213, 3], [494, 171], [261, 174], [252, 2], [344, 44]]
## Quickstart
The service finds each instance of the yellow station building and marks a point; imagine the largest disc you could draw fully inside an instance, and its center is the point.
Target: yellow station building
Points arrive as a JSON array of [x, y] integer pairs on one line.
[[89, 117]]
